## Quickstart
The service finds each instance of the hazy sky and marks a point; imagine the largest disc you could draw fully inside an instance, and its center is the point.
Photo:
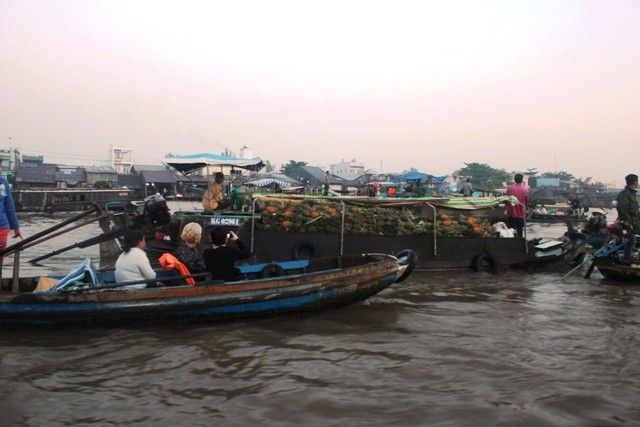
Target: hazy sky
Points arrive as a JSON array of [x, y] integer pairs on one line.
[[552, 85]]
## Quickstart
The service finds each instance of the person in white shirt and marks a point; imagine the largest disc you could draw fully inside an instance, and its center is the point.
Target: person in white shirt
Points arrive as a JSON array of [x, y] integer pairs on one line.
[[133, 264], [540, 210]]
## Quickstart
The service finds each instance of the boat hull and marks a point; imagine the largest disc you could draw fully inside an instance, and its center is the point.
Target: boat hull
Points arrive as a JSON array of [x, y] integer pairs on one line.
[[434, 253], [556, 219], [441, 253], [614, 271], [363, 277]]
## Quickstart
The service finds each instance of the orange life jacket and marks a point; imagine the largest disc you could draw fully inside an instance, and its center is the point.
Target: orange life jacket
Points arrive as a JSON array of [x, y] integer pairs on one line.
[[170, 262]]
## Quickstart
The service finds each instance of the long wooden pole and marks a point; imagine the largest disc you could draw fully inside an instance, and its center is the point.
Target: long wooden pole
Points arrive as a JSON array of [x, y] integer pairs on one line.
[[36, 236], [66, 230], [85, 243], [15, 283]]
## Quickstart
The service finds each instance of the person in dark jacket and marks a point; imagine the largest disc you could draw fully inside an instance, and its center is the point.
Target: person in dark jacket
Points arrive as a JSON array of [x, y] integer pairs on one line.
[[187, 252], [220, 259], [629, 213]]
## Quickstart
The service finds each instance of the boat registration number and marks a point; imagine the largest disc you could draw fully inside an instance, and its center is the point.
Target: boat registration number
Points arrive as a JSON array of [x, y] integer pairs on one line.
[[221, 220]]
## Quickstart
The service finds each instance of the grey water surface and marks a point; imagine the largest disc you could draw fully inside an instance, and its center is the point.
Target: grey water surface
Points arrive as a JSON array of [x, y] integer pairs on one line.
[[453, 348]]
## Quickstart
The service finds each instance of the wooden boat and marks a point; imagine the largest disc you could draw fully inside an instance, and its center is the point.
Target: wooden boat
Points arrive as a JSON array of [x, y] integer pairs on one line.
[[555, 219], [608, 261], [610, 269], [89, 297], [446, 233]]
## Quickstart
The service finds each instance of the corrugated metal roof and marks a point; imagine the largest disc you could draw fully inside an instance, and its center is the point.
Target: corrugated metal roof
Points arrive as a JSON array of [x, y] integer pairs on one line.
[[145, 168], [194, 179], [32, 173], [100, 169], [165, 176], [314, 171]]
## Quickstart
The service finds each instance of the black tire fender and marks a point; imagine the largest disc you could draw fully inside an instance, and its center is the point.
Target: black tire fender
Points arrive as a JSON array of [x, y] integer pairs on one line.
[[486, 262], [304, 250], [409, 258], [272, 270]]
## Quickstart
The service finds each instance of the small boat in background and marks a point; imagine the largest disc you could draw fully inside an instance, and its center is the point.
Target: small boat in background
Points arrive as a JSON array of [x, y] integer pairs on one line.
[[554, 218], [66, 200]]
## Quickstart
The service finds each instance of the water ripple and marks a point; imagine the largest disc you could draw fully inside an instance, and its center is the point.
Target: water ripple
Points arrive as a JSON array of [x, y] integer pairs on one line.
[[441, 349]]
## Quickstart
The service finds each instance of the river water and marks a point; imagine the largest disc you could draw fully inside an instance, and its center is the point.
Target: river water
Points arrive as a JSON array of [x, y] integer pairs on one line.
[[440, 349]]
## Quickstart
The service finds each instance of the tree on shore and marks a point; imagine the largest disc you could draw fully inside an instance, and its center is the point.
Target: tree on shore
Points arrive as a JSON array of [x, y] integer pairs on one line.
[[292, 168], [562, 175], [484, 175]]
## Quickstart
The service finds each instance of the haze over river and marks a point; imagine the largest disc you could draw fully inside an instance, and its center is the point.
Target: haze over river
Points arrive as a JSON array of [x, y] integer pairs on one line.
[[453, 348]]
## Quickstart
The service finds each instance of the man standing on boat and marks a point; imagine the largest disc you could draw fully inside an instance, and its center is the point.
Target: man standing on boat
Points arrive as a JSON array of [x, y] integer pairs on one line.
[[517, 213], [629, 213], [467, 188], [8, 217], [213, 198], [326, 182]]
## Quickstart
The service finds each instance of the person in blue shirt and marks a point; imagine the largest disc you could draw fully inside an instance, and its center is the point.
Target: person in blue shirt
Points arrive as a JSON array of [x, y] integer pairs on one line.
[[8, 217]]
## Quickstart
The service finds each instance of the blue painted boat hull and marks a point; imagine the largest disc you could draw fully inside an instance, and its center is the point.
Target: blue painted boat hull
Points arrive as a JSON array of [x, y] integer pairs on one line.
[[319, 287]]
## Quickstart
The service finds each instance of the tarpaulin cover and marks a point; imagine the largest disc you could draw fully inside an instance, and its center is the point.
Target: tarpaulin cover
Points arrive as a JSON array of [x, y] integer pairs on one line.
[[414, 176]]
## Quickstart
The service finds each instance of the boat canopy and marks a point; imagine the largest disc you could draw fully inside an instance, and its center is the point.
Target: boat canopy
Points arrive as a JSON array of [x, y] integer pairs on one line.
[[189, 163], [268, 179], [415, 176]]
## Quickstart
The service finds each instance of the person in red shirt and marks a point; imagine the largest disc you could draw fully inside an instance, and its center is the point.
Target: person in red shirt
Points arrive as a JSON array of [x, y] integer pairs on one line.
[[517, 213]]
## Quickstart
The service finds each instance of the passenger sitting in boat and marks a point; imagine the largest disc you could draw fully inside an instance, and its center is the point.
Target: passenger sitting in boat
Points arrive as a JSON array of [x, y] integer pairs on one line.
[[187, 251], [133, 264], [597, 222], [540, 210], [596, 228], [220, 259]]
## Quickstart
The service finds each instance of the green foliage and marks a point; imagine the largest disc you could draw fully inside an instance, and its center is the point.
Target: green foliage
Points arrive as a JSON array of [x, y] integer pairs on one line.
[[291, 168], [484, 175], [564, 176]]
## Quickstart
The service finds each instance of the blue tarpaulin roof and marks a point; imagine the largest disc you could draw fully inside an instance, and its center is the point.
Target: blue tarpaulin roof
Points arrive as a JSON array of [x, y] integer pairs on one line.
[[414, 176]]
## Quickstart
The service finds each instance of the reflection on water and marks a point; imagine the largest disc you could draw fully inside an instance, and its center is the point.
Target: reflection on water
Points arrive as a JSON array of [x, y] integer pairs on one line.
[[442, 348], [32, 224]]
